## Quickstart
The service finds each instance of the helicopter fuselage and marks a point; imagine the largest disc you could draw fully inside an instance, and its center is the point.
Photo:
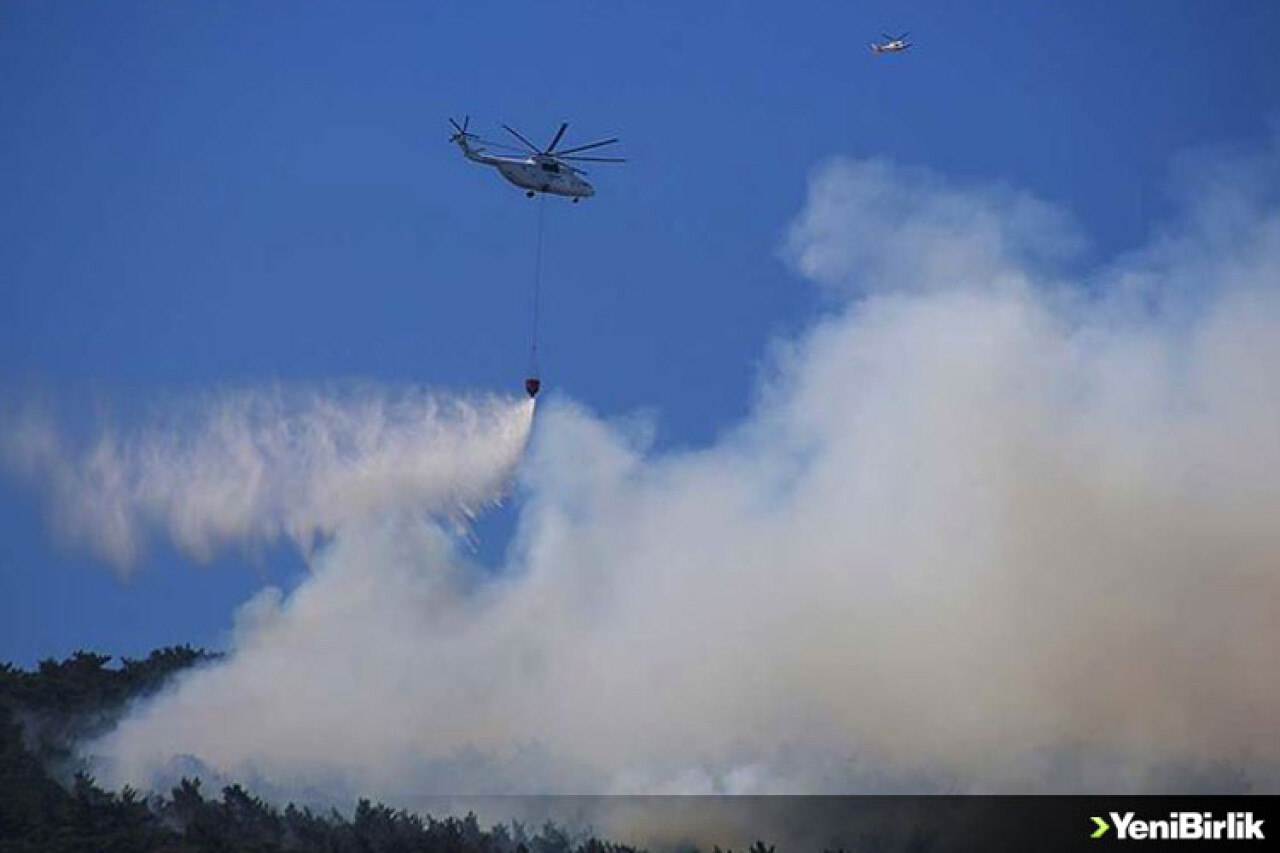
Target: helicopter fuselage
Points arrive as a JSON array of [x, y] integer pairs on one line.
[[544, 176], [533, 174]]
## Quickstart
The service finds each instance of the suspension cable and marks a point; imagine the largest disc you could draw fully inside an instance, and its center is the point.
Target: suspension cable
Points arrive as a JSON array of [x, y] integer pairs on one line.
[[537, 288]]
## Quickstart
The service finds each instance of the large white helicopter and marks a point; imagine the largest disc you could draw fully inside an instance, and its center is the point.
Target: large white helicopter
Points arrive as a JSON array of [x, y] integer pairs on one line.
[[543, 170], [891, 44]]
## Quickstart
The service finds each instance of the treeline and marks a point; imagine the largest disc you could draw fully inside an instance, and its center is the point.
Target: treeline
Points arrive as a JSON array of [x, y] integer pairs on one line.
[[45, 712], [63, 702]]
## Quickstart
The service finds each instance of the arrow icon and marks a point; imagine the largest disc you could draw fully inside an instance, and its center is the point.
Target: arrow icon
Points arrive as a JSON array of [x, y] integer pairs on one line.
[[1103, 826]]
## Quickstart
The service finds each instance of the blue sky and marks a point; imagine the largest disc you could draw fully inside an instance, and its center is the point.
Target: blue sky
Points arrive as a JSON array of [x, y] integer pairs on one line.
[[208, 194]]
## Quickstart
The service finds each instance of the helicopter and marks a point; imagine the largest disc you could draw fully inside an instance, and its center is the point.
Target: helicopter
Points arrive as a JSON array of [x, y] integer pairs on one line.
[[891, 44], [542, 170]]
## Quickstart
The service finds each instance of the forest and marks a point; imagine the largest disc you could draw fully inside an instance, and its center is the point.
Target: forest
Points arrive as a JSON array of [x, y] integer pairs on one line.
[[49, 802]]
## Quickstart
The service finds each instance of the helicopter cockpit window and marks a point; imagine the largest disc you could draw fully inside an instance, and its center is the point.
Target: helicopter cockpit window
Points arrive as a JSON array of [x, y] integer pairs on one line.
[[551, 167]]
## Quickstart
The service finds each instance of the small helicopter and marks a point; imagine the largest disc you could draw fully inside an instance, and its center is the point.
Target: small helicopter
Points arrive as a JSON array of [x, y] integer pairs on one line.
[[891, 44], [543, 170]]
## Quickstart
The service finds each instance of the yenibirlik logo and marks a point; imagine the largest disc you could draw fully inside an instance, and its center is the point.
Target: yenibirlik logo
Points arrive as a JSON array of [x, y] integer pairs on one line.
[[1182, 826]]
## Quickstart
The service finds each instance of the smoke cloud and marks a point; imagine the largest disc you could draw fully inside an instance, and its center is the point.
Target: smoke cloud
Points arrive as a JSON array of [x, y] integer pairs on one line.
[[996, 523]]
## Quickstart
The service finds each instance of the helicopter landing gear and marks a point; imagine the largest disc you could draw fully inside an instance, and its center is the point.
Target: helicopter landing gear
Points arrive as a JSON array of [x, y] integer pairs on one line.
[[576, 200], [529, 194]]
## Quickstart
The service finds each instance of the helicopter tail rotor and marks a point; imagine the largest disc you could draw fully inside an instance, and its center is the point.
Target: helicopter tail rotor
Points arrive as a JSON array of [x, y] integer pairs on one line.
[[461, 130]]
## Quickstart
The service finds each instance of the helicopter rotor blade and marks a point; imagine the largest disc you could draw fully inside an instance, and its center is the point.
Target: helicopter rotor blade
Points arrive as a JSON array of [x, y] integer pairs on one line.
[[500, 145], [462, 128], [559, 135], [517, 135], [592, 159], [589, 146]]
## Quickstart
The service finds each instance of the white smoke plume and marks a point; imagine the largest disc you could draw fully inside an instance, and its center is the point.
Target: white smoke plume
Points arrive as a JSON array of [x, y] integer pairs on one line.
[[992, 525]]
